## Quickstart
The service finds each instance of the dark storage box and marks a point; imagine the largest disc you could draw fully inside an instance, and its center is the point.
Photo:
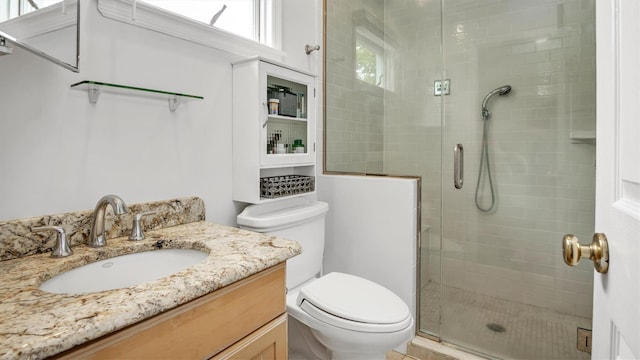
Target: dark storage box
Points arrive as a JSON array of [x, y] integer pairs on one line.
[[288, 100]]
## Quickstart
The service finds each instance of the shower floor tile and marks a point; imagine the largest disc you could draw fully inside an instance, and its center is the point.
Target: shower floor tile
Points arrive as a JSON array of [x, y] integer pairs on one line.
[[502, 328]]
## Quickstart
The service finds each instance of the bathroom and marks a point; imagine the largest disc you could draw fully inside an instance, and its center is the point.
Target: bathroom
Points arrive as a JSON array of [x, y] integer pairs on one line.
[[136, 148]]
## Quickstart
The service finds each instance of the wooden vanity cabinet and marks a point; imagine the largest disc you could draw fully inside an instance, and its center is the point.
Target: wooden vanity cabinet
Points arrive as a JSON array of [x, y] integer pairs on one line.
[[245, 320], [267, 343]]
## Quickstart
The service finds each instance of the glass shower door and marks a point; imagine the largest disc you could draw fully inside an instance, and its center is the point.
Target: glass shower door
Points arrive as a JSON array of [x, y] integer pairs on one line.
[[505, 289]]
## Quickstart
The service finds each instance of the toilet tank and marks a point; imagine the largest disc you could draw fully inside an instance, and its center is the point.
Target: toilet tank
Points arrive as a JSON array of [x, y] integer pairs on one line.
[[297, 219]]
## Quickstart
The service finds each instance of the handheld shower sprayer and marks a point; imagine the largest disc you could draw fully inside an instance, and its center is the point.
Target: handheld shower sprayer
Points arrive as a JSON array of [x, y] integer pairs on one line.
[[502, 90], [485, 167]]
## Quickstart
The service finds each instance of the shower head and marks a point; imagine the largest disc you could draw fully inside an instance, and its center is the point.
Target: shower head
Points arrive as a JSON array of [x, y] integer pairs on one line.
[[502, 90]]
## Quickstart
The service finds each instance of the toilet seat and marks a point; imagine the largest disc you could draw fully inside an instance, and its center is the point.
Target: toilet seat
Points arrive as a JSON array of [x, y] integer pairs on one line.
[[354, 303]]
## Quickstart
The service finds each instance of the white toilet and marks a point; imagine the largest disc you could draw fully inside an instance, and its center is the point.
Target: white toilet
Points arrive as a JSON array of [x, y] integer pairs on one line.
[[333, 316]]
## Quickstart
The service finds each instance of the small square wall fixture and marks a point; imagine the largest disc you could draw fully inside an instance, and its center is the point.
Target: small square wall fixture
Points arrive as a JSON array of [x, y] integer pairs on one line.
[[441, 87]]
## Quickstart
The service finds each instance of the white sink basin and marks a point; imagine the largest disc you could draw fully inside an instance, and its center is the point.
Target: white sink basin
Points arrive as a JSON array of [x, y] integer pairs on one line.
[[123, 271]]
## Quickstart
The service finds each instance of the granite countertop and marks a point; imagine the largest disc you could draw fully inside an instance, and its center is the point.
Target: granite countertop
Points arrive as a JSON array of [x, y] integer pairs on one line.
[[36, 324]]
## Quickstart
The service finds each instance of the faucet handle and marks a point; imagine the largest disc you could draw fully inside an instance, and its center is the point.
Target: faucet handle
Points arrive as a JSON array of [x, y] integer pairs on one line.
[[136, 228], [61, 248]]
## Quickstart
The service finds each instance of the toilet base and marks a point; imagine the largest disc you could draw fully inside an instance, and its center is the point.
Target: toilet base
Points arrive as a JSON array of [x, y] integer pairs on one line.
[[302, 344], [352, 356]]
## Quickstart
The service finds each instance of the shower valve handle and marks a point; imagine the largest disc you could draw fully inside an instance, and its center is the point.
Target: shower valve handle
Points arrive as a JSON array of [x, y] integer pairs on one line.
[[598, 251]]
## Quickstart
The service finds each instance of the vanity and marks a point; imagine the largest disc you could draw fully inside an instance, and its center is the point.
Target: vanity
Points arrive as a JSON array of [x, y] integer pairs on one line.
[[231, 305], [244, 320]]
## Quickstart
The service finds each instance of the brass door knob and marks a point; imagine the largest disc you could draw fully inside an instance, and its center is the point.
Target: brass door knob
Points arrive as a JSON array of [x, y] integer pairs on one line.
[[598, 251]]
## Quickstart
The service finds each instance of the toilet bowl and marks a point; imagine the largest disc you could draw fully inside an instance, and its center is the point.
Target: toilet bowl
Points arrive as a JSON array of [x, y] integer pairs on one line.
[[334, 316], [352, 317]]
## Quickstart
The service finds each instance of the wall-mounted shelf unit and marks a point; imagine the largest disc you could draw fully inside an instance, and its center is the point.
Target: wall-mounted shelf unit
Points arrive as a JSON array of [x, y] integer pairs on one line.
[[273, 131], [94, 88]]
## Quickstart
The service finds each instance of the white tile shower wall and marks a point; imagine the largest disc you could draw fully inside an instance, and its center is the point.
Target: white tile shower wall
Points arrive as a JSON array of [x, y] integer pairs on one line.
[[545, 183], [354, 129]]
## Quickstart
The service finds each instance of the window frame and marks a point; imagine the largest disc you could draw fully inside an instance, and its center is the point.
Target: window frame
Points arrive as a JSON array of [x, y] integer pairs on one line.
[[169, 23]]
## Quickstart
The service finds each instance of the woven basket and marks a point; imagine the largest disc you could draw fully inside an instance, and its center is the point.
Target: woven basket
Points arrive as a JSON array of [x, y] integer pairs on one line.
[[279, 186]]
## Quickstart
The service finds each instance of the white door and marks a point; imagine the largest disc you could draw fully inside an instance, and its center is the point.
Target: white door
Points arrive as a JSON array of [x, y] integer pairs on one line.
[[616, 303]]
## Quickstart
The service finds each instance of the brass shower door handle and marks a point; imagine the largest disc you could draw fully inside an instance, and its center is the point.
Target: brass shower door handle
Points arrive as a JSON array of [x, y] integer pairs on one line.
[[598, 251]]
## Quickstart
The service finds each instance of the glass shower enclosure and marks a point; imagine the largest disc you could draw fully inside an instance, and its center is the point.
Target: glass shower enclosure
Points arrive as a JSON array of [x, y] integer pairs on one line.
[[406, 82]]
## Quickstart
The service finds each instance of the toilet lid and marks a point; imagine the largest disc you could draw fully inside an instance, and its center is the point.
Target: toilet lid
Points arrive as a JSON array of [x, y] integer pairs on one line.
[[354, 299]]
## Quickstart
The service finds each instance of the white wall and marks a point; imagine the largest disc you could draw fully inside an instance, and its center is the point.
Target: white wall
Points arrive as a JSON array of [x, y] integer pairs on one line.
[[371, 230], [303, 26], [60, 153]]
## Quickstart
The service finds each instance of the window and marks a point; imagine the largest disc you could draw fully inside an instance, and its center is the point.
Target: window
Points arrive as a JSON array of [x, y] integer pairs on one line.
[[247, 18], [190, 19], [373, 54], [13, 8], [369, 60]]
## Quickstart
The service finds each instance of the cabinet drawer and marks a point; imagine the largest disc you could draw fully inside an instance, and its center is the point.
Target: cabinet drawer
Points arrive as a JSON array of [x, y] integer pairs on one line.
[[200, 328], [266, 343]]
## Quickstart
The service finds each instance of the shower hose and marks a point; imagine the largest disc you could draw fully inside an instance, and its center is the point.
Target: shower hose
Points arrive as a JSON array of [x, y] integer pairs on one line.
[[485, 165]]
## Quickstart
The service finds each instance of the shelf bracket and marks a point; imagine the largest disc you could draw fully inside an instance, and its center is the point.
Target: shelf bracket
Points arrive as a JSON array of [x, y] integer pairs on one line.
[[174, 102], [94, 93], [4, 49]]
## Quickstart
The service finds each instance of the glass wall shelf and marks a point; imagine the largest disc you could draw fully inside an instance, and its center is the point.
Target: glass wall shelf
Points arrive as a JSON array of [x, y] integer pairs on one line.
[[94, 88]]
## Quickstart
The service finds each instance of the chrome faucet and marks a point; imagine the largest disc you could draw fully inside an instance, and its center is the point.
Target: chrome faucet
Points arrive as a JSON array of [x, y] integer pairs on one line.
[[97, 237]]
